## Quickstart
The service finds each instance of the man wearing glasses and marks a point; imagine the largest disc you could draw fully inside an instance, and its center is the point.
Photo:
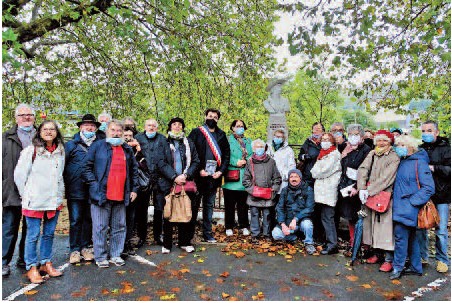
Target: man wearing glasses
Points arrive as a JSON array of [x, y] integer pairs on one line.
[[337, 130], [14, 141]]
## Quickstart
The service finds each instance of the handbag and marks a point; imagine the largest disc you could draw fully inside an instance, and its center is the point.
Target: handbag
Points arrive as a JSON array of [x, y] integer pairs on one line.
[[233, 175], [379, 202], [260, 192], [428, 216], [189, 187], [143, 180], [177, 207]]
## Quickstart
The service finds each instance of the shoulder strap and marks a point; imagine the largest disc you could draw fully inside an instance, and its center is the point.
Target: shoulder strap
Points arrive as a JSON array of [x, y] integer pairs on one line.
[[417, 177], [370, 168], [252, 171], [213, 144]]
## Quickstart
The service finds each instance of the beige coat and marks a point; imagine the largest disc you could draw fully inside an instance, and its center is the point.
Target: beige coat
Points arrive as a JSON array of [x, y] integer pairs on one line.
[[378, 228]]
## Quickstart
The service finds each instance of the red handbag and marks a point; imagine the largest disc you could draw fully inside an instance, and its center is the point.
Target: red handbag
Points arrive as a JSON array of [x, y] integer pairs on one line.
[[233, 175], [379, 202], [189, 187], [260, 192]]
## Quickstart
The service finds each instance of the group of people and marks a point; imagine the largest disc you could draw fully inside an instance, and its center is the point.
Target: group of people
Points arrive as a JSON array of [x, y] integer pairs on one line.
[[98, 171]]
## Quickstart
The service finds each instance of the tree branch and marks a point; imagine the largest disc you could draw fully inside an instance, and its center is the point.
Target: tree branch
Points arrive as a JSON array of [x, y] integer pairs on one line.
[[16, 6]]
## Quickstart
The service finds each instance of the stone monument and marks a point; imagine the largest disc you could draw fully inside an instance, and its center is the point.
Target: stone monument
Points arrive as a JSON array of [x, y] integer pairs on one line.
[[277, 106]]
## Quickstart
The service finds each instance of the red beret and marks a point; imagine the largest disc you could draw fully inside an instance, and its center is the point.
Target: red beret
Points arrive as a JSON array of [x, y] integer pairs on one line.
[[384, 132]]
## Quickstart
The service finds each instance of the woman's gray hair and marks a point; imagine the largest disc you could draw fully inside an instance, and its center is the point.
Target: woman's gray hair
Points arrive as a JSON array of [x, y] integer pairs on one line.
[[23, 105], [116, 122], [104, 114], [408, 141], [257, 141], [358, 127]]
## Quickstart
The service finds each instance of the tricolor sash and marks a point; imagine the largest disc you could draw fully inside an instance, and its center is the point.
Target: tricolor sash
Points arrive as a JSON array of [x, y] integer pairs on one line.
[[212, 143]]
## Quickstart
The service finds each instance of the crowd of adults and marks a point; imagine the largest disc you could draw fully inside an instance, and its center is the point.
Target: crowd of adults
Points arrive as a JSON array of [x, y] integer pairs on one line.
[[99, 169]]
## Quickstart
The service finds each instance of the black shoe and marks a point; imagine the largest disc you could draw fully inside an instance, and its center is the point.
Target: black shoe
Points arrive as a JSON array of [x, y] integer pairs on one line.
[[158, 242], [21, 263], [395, 275], [412, 272], [131, 252], [330, 251], [254, 240]]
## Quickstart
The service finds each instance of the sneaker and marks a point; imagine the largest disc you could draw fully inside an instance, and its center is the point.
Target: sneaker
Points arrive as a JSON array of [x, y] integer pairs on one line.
[[102, 264], [118, 261], [165, 250], [88, 254], [5, 270], [386, 267], [74, 257], [441, 267], [310, 249], [245, 231], [211, 240], [188, 249], [372, 260], [229, 232]]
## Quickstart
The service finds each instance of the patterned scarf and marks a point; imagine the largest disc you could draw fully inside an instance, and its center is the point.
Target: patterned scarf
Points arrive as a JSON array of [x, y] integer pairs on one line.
[[242, 146], [381, 151], [178, 136], [187, 149], [86, 140]]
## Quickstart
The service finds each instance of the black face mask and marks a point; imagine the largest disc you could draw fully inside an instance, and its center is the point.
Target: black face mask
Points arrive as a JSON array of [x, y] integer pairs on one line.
[[211, 123], [369, 141]]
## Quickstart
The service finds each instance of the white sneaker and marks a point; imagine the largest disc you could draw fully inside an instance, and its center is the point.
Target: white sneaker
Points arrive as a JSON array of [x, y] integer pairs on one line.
[[229, 232], [245, 231], [118, 261], [165, 250], [188, 249]]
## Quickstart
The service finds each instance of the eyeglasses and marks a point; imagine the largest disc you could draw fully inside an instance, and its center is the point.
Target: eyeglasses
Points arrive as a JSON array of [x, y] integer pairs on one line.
[[26, 115]]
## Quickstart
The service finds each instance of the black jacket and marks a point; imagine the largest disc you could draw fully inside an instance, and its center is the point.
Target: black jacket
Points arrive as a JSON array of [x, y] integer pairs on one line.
[[166, 165], [200, 143], [309, 152], [439, 154], [153, 150]]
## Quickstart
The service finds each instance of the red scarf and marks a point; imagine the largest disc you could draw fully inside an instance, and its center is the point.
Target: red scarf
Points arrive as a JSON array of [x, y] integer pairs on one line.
[[259, 158], [52, 148], [324, 152]]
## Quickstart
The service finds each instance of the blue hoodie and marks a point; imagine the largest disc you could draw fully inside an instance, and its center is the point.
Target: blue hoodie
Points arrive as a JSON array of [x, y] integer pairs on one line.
[[407, 197]]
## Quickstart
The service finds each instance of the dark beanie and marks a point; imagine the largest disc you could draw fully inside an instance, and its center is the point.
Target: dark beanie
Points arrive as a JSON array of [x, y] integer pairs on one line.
[[296, 171]]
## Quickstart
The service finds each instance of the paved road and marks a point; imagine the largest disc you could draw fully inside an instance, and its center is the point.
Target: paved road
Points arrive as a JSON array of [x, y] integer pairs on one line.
[[181, 276]]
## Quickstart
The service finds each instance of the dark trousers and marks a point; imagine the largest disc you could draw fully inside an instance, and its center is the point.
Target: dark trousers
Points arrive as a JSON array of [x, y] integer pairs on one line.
[[80, 224], [208, 201], [141, 214], [183, 230], [273, 220], [11, 216], [319, 231], [327, 216], [406, 245], [159, 204], [231, 199], [130, 221]]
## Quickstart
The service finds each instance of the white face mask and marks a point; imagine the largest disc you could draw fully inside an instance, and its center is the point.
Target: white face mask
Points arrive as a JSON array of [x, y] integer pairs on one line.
[[354, 139], [325, 145]]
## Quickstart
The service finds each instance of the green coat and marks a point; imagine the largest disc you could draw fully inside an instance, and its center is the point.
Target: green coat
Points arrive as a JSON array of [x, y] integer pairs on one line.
[[236, 155]]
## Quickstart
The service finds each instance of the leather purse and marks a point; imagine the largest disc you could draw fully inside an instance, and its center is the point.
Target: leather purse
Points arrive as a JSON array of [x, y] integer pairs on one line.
[[189, 187], [260, 192], [379, 202], [233, 175], [177, 207], [428, 216]]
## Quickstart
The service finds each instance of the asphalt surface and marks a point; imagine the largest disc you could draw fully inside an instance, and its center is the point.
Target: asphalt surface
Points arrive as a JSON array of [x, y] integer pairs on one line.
[[210, 274]]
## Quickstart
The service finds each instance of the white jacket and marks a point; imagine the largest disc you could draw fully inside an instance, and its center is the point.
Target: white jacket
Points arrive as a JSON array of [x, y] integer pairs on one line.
[[327, 173], [285, 161], [40, 182]]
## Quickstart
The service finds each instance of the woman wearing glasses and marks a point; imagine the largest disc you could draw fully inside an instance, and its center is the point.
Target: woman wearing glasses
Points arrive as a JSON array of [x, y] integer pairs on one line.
[[39, 179]]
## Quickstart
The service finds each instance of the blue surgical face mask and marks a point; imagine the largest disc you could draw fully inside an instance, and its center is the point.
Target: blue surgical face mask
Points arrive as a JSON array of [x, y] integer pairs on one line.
[[240, 131], [103, 126], [151, 135], [278, 141], [115, 141], [260, 151], [88, 134], [428, 138], [338, 134], [316, 136], [401, 151], [26, 128]]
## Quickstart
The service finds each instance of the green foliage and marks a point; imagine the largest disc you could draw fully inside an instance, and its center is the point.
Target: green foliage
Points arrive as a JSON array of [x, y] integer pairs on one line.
[[359, 117]]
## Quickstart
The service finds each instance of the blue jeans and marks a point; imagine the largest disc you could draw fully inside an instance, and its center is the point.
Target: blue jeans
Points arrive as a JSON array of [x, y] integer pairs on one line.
[[11, 216], [208, 201], [80, 230], [306, 227], [31, 242], [254, 223], [406, 245]]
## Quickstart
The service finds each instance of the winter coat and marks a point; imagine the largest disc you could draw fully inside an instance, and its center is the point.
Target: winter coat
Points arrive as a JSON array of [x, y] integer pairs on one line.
[[11, 148], [285, 161], [208, 183], [327, 172], [76, 152], [166, 165], [349, 206], [408, 198], [298, 203], [152, 149], [312, 150], [439, 154], [97, 168], [266, 174], [40, 181], [378, 228], [236, 155]]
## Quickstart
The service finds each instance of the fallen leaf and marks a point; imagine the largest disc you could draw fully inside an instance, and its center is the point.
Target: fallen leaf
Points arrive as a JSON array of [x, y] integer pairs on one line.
[[366, 286], [338, 273], [127, 288], [352, 278], [327, 293], [225, 295], [225, 274], [271, 254], [200, 260], [143, 282], [239, 254], [396, 282], [175, 289], [284, 289], [265, 245], [31, 292], [105, 291], [233, 299], [115, 291], [219, 280], [185, 270], [260, 295], [120, 272], [322, 265], [169, 297], [288, 257], [205, 297], [78, 294], [148, 252], [160, 292], [55, 297], [144, 298], [394, 295]]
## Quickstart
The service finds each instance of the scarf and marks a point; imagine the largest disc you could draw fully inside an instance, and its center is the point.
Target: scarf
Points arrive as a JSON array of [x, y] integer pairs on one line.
[[178, 136], [259, 158], [381, 151], [324, 152], [348, 148], [52, 148], [316, 141], [277, 146], [187, 152], [86, 140], [242, 146]]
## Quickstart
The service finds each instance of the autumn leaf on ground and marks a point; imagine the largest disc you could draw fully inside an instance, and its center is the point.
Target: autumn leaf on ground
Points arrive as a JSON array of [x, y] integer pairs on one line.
[[233, 299], [239, 254], [260, 295], [105, 291], [219, 280], [127, 288], [288, 257], [225, 274], [120, 272], [184, 270], [284, 289], [200, 260], [338, 273], [327, 293], [270, 254], [169, 297], [144, 282], [394, 295], [148, 252], [396, 282], [265, 245], [144, 298], [205, 297], [55, 297], [352, 278], [175, 289], [367, 286], [322, 265], [160, 292], [31, 292], [225, 295]]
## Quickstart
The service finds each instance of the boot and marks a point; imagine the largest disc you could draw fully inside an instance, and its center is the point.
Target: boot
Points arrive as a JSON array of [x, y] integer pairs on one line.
[[34, 275], [49, 269]]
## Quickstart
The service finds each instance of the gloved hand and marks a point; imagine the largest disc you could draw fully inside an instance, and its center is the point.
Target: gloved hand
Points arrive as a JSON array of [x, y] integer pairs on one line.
[[363, 194]]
